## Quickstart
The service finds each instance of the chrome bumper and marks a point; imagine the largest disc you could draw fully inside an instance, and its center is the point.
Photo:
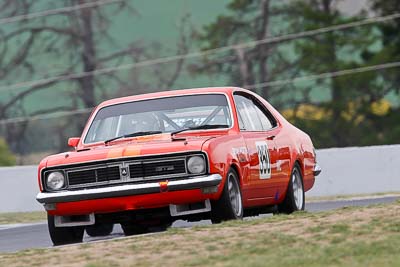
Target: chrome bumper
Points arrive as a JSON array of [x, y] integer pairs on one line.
[[129, 190], [317, 170]]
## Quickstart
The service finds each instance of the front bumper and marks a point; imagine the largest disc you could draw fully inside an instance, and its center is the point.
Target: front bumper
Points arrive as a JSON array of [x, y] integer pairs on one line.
[[317, 170], [129, 190]]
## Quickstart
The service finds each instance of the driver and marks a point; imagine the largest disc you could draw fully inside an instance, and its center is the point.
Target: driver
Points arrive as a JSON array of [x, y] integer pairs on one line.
[[139, 122]]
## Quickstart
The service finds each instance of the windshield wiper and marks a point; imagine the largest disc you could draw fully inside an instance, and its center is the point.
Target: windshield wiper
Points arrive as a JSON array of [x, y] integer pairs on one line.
[[132, 135], [201, 127]]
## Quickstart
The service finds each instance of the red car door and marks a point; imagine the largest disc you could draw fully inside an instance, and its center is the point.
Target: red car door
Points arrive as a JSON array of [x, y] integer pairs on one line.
[[259, 130]]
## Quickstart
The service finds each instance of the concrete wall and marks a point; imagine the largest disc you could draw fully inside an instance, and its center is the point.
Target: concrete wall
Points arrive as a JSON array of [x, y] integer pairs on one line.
[[345, 171], [18, 189], [358, 170]]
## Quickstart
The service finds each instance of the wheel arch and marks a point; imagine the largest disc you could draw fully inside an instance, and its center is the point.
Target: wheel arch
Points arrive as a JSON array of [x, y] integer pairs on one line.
[[301, 165], [236, 167]]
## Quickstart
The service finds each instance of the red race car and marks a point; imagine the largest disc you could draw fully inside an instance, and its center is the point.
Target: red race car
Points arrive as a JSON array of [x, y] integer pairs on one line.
[[144, 161]]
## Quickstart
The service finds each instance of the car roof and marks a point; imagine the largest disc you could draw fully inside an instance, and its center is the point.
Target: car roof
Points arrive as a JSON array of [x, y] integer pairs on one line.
[[227, 90]]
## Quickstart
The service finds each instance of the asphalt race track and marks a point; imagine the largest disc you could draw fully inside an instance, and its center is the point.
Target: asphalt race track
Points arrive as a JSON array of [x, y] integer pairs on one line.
[[19, 237]]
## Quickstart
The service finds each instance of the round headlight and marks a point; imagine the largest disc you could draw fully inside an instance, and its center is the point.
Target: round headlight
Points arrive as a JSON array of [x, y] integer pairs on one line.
[[55, 180], [196, 164]]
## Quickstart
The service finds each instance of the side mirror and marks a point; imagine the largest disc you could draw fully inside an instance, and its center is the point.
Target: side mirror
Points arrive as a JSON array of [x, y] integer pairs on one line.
[[73, 141]]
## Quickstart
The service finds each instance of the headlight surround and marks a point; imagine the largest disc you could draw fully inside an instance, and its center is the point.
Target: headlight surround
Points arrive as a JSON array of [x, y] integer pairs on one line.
[[55, 180], [196, 164]]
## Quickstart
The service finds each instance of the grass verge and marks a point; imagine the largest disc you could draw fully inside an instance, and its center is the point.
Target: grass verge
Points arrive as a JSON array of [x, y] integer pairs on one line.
[[22, 217], [367, 236], [38, 216], [354, 196]]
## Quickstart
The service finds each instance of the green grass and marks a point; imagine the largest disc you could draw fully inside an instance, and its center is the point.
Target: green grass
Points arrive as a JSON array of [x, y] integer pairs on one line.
[[368, 236], [346, 197], [22, 217]]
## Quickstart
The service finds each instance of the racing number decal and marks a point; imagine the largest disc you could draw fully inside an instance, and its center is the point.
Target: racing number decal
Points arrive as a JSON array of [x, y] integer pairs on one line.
[[264, 160]]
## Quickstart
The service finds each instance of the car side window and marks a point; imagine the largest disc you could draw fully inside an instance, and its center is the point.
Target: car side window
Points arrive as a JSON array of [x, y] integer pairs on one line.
[[251, 115], [248, 114], [241, 123], [265, 121]]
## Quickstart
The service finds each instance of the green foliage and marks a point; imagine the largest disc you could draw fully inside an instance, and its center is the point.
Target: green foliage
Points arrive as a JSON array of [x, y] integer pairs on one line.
[[355, 110], [349, 120], [6, 156], [245, 21], [345, 105], [390, 51]]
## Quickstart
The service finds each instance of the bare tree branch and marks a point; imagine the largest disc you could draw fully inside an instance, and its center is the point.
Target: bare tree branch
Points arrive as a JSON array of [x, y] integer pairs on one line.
[[22, 95], [183, 48]]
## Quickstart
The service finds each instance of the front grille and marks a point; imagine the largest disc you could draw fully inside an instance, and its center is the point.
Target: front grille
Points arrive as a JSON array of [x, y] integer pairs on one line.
[[154, 169], [164, 168], [82, 177], [136, 171], [108, 174], [103, 174], [129, 171]]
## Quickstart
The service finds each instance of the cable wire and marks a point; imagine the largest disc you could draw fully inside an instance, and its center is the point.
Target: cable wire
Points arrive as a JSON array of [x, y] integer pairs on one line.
[[325, 75], [259, 85], [52, 115], [56, 11], [163, 60]]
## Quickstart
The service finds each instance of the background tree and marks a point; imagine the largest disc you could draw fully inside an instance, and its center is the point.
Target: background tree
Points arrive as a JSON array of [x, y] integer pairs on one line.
[[248, 20], [337, 111], [7, 158], [346, 101], [81, 43], [386, 125], [68, 53]]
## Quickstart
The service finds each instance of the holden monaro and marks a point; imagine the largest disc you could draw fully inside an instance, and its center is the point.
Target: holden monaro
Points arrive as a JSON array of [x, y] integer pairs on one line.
[[144, 161]]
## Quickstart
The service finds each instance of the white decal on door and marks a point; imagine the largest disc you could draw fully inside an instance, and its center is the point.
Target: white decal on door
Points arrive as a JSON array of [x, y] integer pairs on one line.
[[264, 160]]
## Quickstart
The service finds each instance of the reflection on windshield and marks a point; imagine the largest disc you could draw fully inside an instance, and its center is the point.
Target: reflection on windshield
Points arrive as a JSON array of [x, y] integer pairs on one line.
[[159, 115]]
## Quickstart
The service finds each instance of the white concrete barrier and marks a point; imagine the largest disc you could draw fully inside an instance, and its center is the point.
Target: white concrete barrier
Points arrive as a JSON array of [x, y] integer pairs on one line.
[[18, 189], [345, 171], [358, 170]]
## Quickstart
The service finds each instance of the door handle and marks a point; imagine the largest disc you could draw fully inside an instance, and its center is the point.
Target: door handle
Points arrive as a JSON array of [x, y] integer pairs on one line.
[[271, 137]]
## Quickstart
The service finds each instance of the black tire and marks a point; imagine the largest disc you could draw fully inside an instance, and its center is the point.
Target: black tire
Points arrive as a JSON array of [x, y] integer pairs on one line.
[[230, 205], [102, 229], [163, 226], [295, 197], [64, 235], [134, 229]]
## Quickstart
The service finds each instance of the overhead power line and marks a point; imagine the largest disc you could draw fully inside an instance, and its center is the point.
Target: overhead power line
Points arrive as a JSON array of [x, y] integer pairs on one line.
[[243, 45], [56, 11], [325, 75], [271, 84], [52, 115]]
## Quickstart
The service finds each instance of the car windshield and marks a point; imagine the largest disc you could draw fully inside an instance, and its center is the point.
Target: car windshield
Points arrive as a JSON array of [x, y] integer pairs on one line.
[[164, 115]]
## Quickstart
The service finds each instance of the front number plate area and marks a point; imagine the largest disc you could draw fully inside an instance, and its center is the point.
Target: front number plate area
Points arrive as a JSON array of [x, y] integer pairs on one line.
[[187, 209]]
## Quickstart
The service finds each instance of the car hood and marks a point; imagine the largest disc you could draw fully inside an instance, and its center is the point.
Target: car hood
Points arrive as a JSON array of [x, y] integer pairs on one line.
[[132, 148]]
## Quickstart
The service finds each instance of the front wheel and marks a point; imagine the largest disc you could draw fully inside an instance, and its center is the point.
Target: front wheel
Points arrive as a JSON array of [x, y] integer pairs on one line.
[[134, 229], [295, 198], [64, 235], [229, 206], [103, 229]]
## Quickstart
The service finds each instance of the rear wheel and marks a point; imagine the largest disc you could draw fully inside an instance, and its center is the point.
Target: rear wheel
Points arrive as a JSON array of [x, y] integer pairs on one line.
[[102, 229], [64, 235], [229, 206], [295, 198]]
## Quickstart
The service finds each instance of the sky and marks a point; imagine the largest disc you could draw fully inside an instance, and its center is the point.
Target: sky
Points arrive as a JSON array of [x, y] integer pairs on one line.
[[351, 7]]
